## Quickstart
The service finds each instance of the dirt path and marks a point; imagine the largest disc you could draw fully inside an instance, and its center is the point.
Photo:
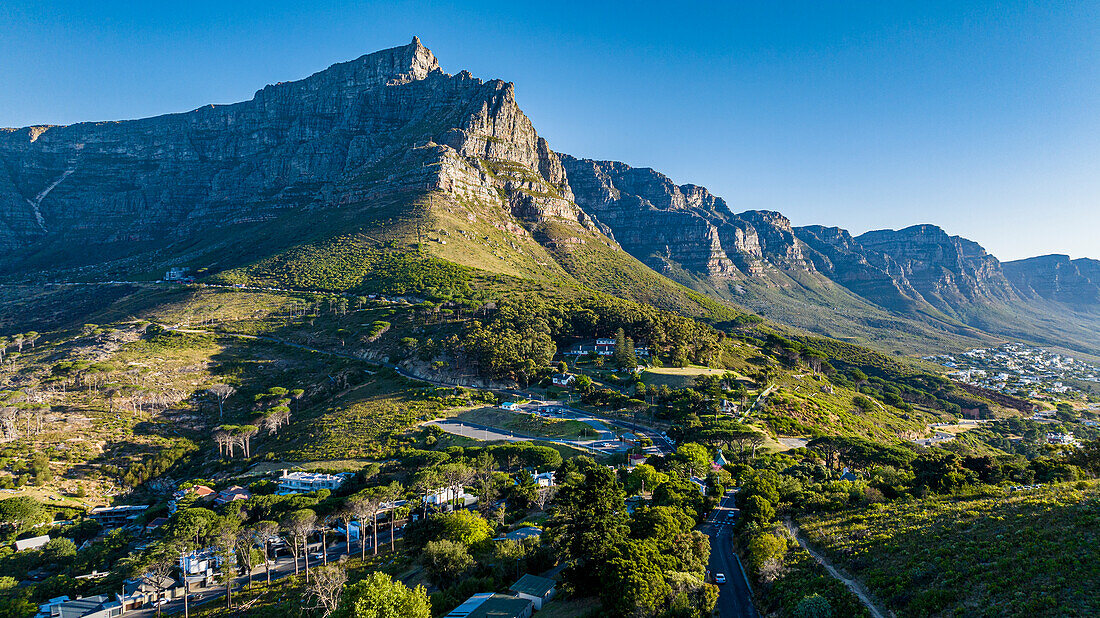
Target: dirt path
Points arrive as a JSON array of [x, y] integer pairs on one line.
[[853, 585]]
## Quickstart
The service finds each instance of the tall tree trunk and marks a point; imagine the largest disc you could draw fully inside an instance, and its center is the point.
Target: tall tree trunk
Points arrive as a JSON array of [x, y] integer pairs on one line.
[[362, 541], [305, 548], [374, 532]]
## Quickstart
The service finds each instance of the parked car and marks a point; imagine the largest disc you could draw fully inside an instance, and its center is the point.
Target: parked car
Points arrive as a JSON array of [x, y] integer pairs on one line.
[[719, 578]]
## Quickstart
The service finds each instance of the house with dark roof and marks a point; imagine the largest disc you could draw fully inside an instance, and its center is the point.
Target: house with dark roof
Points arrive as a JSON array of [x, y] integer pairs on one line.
[[99, 606], [537, 589]]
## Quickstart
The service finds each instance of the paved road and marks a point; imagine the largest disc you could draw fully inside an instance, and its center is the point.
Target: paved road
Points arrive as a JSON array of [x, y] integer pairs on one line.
[[734, 596]]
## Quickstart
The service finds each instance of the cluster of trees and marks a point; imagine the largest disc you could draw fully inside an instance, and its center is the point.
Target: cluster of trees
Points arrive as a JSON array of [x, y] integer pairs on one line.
[[518, 339], [649, 563], [16, 341]]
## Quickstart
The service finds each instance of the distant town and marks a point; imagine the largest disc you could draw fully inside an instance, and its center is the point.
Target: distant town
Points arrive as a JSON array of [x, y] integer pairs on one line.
[[1022, 371]]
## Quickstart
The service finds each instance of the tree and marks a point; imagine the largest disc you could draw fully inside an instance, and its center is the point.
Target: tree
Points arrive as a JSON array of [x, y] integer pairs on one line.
[[624, 356], [644, 476], [366, 504], [813, 606], [328, 583], [391, 494], [455, 475], [757, 509], [695, 456], [227, 532], [379, 596], [589, 519], [21, 513], [262, 531], [298, 525], [221, 392], [345, 516], [243, 437], [445, 561], [158, 569]]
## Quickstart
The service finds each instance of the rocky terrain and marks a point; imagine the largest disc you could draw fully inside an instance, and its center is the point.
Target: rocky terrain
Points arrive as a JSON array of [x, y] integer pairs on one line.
[[377, 138]]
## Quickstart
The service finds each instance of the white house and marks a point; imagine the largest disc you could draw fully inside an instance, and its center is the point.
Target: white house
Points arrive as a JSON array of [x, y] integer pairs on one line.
[[444, 495], [546, 479], [564, 379], [303, 482]]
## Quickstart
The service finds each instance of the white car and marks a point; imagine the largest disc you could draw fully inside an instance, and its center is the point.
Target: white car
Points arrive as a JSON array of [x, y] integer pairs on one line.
[[719, 578]]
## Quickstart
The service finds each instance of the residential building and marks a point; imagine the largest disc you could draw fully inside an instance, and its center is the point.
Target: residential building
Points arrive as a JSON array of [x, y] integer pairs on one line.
[[537, 589], [444, 495], [99, 606], [114, 516], [491, 605], [303, 482], [32, 543], [141, 592], [200, 492], [156, 523], [232, 494], [634, 459], [520, 534], [563, 379], [46, 608], [1064, 439], [509, 405], [546, 479], [178, 273]]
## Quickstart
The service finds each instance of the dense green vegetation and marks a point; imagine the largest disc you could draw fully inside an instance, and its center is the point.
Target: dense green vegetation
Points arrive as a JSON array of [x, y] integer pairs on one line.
[[1021, 553]]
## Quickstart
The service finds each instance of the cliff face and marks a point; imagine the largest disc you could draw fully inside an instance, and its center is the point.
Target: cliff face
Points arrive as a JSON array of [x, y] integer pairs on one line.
[[1058, 278], [665, 224], [385, 123], [946, 270]]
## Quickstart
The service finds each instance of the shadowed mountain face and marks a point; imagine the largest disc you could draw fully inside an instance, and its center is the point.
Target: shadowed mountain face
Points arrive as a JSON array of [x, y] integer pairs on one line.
[[383, 137], [1058, 278], [385, 123]]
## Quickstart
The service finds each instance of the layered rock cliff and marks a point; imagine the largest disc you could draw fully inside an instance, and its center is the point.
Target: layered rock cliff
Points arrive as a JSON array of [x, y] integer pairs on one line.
[[388, 122], [1058, 278], [947, 271], [665, 224]]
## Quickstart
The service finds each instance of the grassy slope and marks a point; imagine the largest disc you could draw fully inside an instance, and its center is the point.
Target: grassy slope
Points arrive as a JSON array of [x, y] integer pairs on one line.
[[1003, 554]]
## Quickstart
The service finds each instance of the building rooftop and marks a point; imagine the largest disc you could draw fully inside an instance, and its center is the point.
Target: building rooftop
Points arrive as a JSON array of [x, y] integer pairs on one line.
[[489, 605], [533, 585]]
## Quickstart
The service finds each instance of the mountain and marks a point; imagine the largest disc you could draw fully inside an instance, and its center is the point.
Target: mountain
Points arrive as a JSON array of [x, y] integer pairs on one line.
[[1058, 278], [310, 181]]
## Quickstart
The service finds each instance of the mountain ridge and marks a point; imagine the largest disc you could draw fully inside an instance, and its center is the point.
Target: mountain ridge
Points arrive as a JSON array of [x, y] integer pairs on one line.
[[388, 149]]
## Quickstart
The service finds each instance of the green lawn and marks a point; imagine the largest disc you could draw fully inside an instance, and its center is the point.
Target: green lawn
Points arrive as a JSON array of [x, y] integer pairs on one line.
[[677, 377]]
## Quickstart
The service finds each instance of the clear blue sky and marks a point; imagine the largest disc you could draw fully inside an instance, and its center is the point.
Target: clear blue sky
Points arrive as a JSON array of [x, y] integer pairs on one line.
[[981, 119]]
